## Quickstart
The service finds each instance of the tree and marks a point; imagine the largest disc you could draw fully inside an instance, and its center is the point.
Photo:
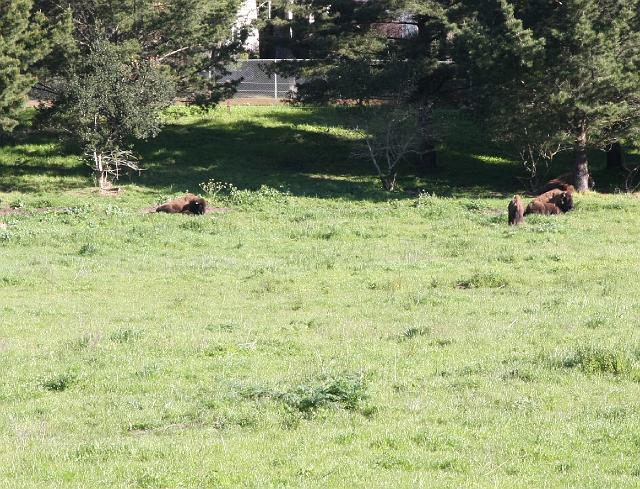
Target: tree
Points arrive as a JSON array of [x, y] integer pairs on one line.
[[189, 36], [389, 135], [370, 50], [23, 42], [109, 98], [573, 64], [121, 64]]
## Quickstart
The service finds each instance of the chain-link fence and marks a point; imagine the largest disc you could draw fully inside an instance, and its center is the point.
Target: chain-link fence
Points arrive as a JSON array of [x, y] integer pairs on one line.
[[258, 79]]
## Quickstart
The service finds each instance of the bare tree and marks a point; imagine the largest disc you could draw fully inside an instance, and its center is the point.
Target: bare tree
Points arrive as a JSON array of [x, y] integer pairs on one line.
[[537, 156], [389, 136]]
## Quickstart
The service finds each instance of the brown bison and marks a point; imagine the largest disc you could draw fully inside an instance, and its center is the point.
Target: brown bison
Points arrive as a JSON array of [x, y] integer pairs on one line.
[[516, 211], [189, 204]]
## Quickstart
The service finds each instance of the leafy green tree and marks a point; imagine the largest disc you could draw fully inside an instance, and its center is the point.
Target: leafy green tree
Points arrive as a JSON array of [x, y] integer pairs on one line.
[[364, 51], [122, 62], [111, 97], [24, 40], [188, 36], [565, 71]]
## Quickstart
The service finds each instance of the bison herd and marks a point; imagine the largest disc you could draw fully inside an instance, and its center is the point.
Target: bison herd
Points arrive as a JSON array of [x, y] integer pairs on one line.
[[556, 197]]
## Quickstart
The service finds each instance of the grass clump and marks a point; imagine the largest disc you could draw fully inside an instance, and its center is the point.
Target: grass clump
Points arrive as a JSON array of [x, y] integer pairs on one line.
[[413, 332], [597, 360], [489, 280], [59, 383], [347, 391], [88, 249], [125, 336]]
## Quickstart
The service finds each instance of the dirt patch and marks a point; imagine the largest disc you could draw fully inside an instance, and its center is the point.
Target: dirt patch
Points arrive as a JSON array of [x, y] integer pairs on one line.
[[10, 211]]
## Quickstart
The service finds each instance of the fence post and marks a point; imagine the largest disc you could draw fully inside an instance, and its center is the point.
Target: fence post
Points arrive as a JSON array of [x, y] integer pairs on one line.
[[275, 94]]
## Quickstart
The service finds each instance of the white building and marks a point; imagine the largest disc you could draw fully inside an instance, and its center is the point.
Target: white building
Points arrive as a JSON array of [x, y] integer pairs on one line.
[[248, 14]]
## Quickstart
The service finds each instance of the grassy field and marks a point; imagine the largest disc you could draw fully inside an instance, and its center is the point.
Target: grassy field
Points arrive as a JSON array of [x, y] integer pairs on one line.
[[316, 331]]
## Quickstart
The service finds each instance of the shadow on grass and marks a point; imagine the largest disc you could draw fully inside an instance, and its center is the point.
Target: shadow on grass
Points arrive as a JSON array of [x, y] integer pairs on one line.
[[305, 151], [299, 155], [41, 163]]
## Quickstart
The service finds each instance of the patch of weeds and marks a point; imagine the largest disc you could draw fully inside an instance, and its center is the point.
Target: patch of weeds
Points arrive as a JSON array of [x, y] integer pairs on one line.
[[347, 391], [518, 374], [9, 281], [326, 234], [596, 360], [213, 187], [114, 210], [17, 204], [59, 383], [473, 206], [216, 328], [441, 342], [413, 332], [124, 336], [394, 462], [142, 426], [613, 413], [78, 210], [255, 392], [506, 258], [430, 205], [263, 195], [545, 224], [88, 249], [148, 371], [451, 465], [278, 195], [596, 322], [42, 203], [192, 225], [215, 350], [489, 280], [87, 340], [150, 480]]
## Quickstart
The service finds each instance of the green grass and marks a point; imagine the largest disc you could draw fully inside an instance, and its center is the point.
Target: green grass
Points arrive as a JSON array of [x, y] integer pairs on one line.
[[317, 332]]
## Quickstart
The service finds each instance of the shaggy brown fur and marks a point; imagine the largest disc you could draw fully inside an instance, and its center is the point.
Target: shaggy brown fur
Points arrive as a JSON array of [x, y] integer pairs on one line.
[[545, 208], [189, 204], [516, 211], [563, 182], [551, 202], [561, 199]]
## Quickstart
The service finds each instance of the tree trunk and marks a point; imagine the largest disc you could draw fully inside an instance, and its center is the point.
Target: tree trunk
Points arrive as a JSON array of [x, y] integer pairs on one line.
[[103, 181], [581, 164], [614, 157], [428, 155], [389, 181], [101, 171]]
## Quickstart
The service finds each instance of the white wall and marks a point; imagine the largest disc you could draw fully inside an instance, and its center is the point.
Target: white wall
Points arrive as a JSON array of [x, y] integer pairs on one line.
[[247, 13]]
